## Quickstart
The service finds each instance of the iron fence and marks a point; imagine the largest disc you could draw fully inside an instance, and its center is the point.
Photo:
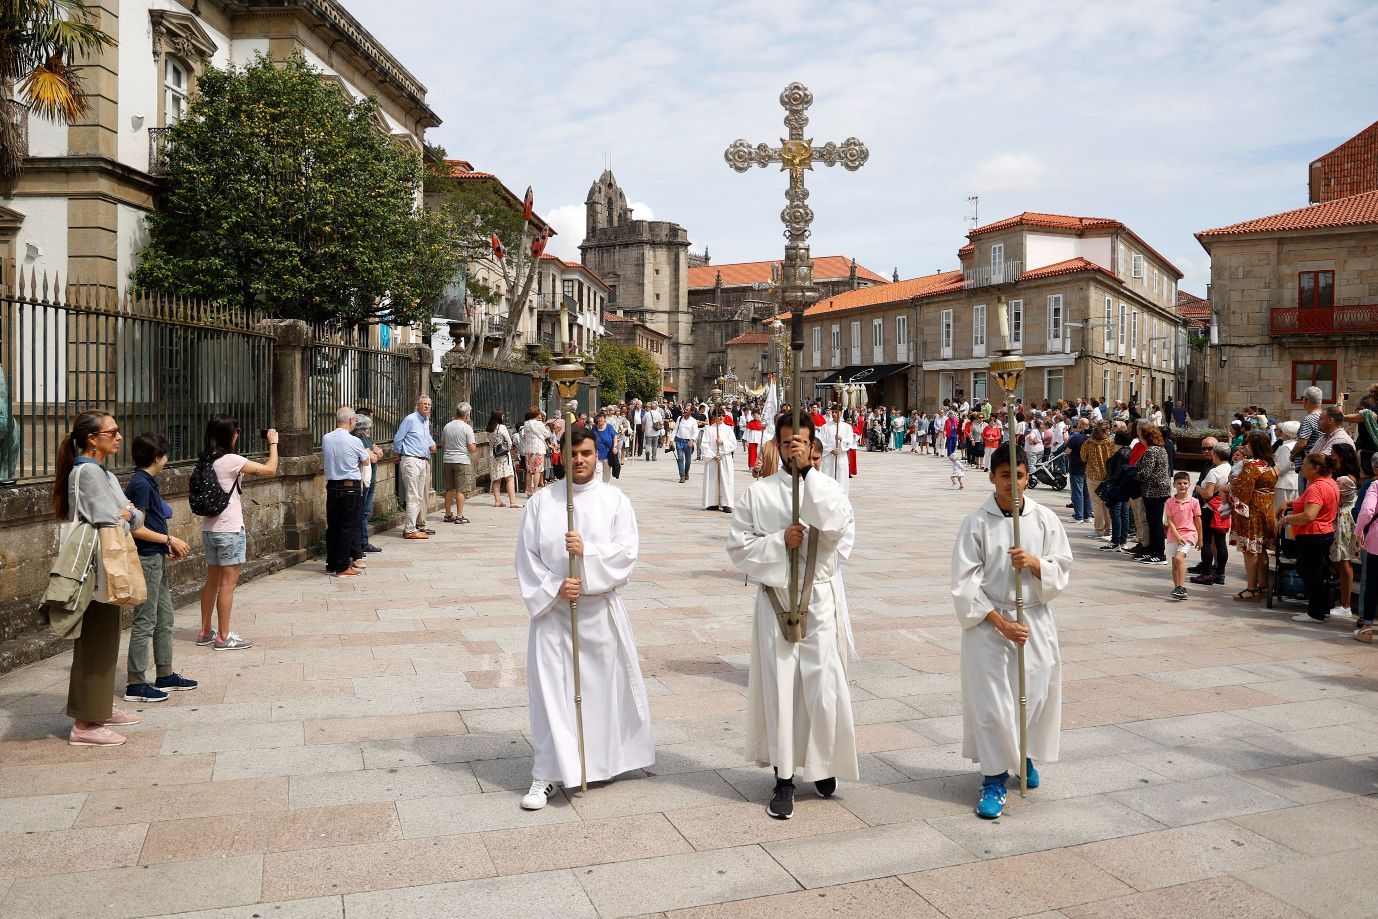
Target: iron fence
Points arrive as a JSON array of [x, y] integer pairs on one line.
[[159, 365], [344, 368], [493, 389]]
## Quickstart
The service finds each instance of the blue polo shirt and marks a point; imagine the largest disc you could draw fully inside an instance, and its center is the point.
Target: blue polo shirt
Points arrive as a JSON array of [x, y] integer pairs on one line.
[[142, 491], [604, 440]]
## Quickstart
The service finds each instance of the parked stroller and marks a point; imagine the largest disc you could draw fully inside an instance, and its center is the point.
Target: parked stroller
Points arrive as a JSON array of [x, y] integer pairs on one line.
[[1284, 583], [1047, 470]]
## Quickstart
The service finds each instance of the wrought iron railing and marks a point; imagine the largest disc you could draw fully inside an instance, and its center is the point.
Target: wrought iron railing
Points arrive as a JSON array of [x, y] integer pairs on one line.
[[158, 139], [1323, 320], [345, 368], [159, 365], [496, 389], [1005, 273]]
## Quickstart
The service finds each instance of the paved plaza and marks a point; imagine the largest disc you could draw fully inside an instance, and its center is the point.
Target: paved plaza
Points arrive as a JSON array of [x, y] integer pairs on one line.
[[365, 758]]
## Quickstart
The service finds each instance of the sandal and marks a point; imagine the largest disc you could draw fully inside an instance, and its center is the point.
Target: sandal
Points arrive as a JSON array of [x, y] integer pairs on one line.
[[1252, 598], [462, 520]]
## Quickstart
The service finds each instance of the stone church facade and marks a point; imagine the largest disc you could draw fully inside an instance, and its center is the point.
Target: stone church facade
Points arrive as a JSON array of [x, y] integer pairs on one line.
[[645, 265]]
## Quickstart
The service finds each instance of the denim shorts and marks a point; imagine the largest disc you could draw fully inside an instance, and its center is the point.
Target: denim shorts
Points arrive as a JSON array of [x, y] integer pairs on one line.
[[225, 548]]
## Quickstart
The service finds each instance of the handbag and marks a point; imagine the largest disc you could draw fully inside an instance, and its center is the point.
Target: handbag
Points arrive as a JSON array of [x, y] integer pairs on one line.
[[1221, 516], [121, 574]]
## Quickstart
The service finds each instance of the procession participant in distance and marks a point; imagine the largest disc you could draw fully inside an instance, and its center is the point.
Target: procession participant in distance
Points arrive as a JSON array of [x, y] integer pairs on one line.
[[799, 709], [617, 715], [719, 453], [984, 567], [755, 433], [686, 439], [839, 440]]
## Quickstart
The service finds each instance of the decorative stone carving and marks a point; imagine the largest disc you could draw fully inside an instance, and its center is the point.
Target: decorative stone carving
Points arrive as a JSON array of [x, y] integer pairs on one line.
[[181, 36]]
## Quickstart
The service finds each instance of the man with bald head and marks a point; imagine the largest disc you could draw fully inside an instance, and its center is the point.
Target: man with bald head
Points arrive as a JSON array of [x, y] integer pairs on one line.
[[344, 459], [414, 445]]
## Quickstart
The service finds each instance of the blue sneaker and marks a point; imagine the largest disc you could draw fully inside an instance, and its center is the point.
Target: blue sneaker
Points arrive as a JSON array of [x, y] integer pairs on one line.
[[142, 692], [992, 802], [174, 682], [1031, 773]]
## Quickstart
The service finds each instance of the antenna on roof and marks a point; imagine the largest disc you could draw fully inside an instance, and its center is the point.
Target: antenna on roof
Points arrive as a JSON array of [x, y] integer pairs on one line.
[[974, 220], [607, 161]]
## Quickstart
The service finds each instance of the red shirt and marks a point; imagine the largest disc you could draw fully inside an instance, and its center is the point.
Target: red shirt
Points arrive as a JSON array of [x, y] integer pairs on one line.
[[1326, 493], [991, 437]]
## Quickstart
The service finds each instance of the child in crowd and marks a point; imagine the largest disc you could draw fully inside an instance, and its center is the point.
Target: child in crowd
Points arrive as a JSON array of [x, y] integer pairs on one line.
[[153, 617], [958, 471], [1182, 517]]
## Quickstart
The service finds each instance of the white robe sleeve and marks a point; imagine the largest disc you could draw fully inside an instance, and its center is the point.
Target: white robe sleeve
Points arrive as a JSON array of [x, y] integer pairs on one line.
[[539, 585], [1054, 559], [824, 506], [607, 566], [968, 574], [762, 556]]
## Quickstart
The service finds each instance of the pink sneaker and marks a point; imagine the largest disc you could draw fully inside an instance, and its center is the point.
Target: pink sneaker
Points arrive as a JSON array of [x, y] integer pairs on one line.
[[120, 718], [98, 736]]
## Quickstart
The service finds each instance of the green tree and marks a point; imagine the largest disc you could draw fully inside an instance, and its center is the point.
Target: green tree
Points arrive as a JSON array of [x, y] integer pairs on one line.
[[626, 370], [283, 194], [39, 41]]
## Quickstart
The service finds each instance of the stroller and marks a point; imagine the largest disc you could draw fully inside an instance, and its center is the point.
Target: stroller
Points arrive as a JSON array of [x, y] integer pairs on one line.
[[1047, 470], [1284, 583]]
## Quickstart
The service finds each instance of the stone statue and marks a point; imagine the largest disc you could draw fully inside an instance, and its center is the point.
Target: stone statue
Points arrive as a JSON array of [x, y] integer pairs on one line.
[[9, 433]]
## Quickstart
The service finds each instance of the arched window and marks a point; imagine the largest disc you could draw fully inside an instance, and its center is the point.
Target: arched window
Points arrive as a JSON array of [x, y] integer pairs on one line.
[[174, 90]]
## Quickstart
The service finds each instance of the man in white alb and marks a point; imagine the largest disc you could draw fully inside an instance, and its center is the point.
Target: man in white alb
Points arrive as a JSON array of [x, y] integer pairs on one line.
[[799, 709], [719, 452], [604, 543], [839, 439]]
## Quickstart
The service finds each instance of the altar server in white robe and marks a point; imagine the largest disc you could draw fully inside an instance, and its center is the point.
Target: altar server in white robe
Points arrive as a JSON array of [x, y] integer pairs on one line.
[[984, 567], [799, 709], [719, 452], [845, 639], [617, 714], [839, 439]]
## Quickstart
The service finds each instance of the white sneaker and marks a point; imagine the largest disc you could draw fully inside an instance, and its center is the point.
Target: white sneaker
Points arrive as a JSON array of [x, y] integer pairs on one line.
[[536, 797], [1341, 611]]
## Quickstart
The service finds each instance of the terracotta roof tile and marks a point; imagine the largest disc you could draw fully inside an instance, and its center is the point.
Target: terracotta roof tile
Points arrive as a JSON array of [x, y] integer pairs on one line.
[[1080, 225], [1354, 211], [894, 292], [1069, 266], [1349, 169], [740, 274], [750, 338], [576, 266], [1196, 311]]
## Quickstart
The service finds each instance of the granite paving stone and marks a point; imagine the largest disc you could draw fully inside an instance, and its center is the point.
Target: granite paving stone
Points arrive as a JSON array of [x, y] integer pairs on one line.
[[499, 810], [1216, 898], [547, 895], [1200, 800], [1320, 780], [1326, 886], [1323, 828], [1020, 885], [678, 881], [881, 897], [1183, 854], [873, 852], [143, 890], [373, 866], [40, 813], [313, 908], [33, 853], [1035, 825], [276, 831]]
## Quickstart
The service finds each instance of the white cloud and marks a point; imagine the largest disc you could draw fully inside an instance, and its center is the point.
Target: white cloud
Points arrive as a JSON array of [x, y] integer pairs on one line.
[[641, 210], [568, 221], [1005, 172]]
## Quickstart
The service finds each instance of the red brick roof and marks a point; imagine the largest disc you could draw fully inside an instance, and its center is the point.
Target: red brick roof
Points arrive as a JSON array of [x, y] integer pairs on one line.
[[1069, 266], [894, 292], [463, 170], [1095, 226], [1196, 311], [1354, 211], [750, 338], [588, 272], [1349, 169], [740, 274]]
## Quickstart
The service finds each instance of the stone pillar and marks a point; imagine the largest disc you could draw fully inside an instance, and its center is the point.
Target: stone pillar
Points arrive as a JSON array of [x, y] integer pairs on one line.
[[291, 406], [417, 381], [459, 382]]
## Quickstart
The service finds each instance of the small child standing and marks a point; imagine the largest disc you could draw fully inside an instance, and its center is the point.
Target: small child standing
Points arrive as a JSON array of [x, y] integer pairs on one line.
[[1182, 517], [958, 471], [153, 617]]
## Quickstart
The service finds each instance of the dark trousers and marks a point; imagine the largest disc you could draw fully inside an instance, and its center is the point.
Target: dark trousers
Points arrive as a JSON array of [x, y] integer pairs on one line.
[[1215, 544], [1313, 554], [1081, 498], [1153, 511], [1368, 591], [365, 511], [90, 688], [614, 462], [342, 499], [1121, 519]]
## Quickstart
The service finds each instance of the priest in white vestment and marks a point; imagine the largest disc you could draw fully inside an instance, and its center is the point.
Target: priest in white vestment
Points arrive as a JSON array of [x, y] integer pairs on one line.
[[839, 440], [719, 441], [617, 713], [799, 708], [983, 574]]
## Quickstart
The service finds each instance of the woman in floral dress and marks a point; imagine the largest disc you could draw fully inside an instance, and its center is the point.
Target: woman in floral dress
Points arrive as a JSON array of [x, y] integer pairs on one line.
[[1343, 551], [1254, 524]]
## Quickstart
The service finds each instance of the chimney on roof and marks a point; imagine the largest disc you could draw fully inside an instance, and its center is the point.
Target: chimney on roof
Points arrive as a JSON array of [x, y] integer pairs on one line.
[[896, 275], [851, 275]]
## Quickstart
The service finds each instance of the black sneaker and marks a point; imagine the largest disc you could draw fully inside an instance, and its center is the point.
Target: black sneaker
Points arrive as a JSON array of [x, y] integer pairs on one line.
[[142, 692], [825, 787], [1109, 547], [370, 547], [1179, 593], [781, 805]]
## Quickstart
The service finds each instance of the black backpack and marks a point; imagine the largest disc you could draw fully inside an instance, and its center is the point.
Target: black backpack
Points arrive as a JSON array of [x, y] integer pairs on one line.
[[204, 494]]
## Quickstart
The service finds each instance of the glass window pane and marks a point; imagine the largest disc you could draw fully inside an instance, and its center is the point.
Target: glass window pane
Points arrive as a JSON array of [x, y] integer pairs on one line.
[[1306, 289], [1325, 288]]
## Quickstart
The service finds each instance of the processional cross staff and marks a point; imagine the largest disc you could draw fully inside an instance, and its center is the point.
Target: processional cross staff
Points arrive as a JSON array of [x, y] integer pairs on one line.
[[797, 291]]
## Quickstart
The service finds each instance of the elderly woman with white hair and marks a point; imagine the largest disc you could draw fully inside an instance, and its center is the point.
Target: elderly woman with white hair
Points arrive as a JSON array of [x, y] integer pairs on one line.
[[1285, 492], [363, 429]]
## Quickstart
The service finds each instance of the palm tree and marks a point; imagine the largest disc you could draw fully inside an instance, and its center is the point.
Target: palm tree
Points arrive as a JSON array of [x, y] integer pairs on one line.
[[39, 41]]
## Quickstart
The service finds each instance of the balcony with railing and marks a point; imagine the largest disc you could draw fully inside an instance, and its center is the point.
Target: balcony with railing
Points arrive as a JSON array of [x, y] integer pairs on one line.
[[157, 151], [1324, 320], [1006, 272]]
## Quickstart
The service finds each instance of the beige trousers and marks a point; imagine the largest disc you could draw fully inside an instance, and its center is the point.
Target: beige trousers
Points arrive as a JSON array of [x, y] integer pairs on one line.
[[1101, 512], [416, 483], [1140, 521]]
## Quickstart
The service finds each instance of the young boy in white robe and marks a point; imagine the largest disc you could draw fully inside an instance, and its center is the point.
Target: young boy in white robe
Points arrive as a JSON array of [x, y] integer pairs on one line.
[[799, 707], [604, 543], [984, 567]]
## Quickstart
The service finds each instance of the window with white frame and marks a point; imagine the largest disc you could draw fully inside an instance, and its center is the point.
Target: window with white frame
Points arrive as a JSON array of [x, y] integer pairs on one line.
[[978, 385], [997, 263], [174, 90], [978, 330], [1105, 385], [1119, 386], [877, 340], [1055, 322], [902, 338], [1134, 333], [1155, 280], [836, 344], [856, 342], [946, 336], [1109, 320], [1122, 264], [817, 345], [1124, 326], [1137, 266], [1016, 323], [1052, 384]]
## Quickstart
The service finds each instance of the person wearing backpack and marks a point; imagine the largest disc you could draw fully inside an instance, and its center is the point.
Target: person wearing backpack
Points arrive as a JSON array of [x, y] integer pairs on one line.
[[503, 446], [214, 493]]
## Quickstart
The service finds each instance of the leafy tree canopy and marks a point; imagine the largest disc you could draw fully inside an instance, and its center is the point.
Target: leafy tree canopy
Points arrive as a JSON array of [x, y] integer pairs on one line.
[[283, 194], [625, 370]]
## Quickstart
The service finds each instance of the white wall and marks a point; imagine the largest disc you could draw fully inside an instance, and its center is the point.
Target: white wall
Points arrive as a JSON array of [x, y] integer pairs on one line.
[[45, 225], [139, 82], [47, 138], [242, 51], [394, 125], [133, 236], [1041, 250]]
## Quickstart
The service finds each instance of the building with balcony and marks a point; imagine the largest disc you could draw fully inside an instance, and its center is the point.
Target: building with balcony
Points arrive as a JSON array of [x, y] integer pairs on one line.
[[584, 294], [77, 210], [1295, 299]]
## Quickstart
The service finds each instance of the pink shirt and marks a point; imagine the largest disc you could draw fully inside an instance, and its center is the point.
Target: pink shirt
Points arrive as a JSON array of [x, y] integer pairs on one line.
[[231, 519], [1367, 511], [1182, 515]]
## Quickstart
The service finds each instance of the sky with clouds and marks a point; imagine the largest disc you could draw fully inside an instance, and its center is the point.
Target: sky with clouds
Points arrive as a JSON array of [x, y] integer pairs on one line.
[[1171, 115]]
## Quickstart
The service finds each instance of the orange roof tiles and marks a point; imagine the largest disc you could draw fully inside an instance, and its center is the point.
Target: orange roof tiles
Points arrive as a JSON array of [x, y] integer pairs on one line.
[[1069, 266], [577, 267], [1349, 169], [749, 338], [1196, 311], [1078, 225], [894, 292], [1354, 211], [740, 274]]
